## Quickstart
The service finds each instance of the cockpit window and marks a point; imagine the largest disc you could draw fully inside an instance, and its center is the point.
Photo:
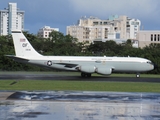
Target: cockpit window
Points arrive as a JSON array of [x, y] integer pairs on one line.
[[150, 62]]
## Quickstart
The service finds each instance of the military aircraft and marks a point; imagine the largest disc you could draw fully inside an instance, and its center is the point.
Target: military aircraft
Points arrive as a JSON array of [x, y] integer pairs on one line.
[[85, 64]]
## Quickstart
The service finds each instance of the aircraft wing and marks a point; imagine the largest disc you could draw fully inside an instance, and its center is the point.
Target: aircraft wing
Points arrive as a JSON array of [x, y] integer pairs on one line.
[[68, 65]]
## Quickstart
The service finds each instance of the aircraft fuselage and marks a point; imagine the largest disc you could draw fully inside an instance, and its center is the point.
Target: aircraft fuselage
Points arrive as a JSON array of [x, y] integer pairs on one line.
[[117, 64]]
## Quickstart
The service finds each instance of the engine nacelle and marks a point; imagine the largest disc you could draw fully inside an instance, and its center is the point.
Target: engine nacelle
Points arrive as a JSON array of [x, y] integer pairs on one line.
[[104, 71], [87, 69]]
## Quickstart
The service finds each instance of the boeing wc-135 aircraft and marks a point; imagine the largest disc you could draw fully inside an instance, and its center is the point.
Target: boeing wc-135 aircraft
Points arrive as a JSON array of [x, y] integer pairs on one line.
[[86, 65]]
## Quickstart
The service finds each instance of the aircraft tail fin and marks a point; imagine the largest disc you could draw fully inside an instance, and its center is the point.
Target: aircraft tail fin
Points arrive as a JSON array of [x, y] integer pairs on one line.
[[22, 46]]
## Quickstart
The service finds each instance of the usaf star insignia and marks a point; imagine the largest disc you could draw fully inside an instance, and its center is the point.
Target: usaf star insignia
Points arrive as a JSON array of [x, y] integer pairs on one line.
[[49, 63]]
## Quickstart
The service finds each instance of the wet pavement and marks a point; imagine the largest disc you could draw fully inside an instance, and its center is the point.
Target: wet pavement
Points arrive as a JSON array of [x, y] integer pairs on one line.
[[77, 105]]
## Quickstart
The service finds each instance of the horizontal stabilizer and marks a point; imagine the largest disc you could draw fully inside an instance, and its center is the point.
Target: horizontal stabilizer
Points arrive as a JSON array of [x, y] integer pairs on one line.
[[17, 58]]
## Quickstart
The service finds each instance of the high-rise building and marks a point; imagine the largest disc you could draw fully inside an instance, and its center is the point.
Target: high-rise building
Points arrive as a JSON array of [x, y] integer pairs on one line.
[[115, 28], [11, 18]]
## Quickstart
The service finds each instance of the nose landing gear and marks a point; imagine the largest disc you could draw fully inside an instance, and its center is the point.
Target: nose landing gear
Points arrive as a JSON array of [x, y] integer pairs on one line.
[[137, 75]]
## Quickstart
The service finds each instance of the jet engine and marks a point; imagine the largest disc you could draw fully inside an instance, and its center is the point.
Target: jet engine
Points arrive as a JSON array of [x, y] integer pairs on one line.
[[104, 71], [87, 69]]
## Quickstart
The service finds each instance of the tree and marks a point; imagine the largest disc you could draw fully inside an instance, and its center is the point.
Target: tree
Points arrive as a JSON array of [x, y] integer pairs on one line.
[[56, 36], [109, 48]]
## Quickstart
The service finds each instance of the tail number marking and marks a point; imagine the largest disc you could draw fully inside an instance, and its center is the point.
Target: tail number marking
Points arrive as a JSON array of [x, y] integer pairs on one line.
[[24, 45]]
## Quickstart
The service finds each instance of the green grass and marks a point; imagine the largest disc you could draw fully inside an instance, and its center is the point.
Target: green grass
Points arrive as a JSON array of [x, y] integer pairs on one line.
[[79, 86], [134, 75]]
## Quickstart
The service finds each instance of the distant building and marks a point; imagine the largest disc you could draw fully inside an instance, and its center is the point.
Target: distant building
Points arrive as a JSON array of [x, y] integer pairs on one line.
[[44, 32], [115, 28], [146, 37], [11, 18]]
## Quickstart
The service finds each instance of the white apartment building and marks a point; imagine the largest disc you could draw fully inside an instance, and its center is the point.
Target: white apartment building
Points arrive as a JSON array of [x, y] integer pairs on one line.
[[115, 28], [45, 31], [90, 29], [133, 26], [146, 37], [11, 18]]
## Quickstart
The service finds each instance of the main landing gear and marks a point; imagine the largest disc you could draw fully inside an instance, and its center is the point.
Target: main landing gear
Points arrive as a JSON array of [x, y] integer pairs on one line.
[[85, 74]]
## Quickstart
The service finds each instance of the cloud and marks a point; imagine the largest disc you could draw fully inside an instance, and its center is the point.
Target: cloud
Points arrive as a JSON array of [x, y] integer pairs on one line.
[[62, 13], [120, 7], [147, 11]]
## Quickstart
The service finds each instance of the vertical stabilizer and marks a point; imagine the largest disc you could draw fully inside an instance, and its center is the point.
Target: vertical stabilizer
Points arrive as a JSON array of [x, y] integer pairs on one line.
[[22, 46]]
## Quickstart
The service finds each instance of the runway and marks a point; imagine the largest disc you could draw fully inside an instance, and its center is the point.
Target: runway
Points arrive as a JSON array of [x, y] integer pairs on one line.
[[68, 76]]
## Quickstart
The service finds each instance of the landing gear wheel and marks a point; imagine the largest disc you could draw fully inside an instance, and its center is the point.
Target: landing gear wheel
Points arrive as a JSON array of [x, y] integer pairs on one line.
[[137, 75], [88, 75], [85, 74]]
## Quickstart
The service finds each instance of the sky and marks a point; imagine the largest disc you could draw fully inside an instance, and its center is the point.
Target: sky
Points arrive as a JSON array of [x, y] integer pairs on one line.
[[63, 13]]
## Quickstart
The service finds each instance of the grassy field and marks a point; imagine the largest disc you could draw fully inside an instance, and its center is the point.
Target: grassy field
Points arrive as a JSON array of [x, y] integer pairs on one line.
[[79, 85], [134, 75]]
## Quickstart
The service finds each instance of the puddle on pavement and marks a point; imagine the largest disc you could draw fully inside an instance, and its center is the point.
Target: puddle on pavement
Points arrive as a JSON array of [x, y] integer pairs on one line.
[[60, 105]]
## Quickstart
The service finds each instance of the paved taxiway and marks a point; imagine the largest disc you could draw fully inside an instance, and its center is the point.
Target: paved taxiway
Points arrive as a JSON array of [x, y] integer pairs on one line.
[[68, 76]]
